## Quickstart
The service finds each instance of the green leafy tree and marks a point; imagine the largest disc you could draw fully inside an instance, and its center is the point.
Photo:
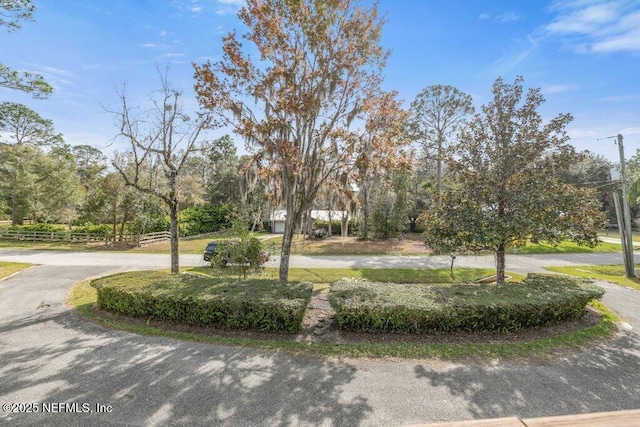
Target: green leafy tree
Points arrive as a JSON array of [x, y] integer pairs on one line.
[[392, 205], [505, 189], [23, 135], [594, 171], [223, 184], [11, 13], [316, 65], [60, 186]]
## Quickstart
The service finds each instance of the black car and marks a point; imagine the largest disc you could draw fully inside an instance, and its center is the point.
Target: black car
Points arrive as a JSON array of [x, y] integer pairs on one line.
[[210, 251]]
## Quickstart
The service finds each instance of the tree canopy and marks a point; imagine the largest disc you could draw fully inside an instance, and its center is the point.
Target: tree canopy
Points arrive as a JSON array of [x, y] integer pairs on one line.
[[437, 113], [11, 13], [505, 188]]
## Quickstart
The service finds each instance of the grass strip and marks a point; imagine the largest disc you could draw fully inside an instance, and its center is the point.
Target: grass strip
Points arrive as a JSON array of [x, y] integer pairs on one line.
[[566, 247], [608, 273], [386, 275], [9, 268]]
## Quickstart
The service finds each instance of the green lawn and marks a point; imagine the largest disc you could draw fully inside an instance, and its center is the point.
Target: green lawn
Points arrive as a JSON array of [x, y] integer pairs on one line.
[[9, 268], [609, 273], [390, 275], [565, 248]]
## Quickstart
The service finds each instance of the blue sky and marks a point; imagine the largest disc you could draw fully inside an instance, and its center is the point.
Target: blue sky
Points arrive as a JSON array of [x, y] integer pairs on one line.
[[583, 54]]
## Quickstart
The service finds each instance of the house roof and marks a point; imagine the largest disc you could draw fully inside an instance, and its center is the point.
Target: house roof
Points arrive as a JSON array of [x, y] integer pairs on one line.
[[322, 215]]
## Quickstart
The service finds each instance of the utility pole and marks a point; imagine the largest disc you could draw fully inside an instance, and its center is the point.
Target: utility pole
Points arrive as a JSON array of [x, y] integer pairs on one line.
[[624, 217]]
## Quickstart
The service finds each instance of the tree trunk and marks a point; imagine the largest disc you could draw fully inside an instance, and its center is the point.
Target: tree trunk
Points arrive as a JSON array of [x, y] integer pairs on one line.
[[364, 234], [14, 210], [439, 165], [287, 240], [500, 263], [173, 229], [115, 221], [309, 225], [344, 230]]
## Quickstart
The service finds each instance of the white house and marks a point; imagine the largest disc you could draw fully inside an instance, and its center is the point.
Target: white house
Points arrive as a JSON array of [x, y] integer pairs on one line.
[[278, 217]]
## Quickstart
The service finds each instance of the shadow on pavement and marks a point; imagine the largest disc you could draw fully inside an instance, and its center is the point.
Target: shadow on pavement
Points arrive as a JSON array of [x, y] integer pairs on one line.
[[151, 381], [605, 378]]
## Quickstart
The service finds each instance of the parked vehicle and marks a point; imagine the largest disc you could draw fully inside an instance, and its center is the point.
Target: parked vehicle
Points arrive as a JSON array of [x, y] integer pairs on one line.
[[211, 251]]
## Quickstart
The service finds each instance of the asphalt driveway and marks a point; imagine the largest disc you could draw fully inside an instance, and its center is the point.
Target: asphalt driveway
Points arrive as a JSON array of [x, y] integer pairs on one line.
[[56, 363]]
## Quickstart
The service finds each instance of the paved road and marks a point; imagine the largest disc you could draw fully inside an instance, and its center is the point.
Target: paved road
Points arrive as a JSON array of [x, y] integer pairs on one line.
[[515, 263], [49, 355]]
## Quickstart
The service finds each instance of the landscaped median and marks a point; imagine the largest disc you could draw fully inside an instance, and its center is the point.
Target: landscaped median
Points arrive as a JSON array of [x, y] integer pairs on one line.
[[215, 305], [539, 300]]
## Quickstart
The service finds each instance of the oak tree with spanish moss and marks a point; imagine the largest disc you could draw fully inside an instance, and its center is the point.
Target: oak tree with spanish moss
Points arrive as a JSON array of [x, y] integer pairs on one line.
[[298, 102]]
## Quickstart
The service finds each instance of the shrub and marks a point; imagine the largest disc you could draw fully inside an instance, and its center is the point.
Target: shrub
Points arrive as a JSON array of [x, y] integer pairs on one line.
[[320, 233], [94, 229], [336, 226], [245, 253], [539, 300], [259, 304], [205, 219], [39, 227]]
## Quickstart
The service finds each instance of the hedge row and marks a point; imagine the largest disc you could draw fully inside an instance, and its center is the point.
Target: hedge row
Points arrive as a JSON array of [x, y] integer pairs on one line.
[[537, 301], [259, 304]]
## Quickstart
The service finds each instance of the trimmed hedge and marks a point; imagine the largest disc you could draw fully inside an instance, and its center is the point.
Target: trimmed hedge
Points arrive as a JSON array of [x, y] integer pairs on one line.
[[259, 304], [537, 301]]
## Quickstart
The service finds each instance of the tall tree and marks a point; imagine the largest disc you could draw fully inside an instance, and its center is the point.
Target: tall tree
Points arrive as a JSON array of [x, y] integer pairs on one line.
[[11, 13], [295, 104], [159, 144], [505, 186], [223, 185], [60, 185], [22, 134], [437, 113]]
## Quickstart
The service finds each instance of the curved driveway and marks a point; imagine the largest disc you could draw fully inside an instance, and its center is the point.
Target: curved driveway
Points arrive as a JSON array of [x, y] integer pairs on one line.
[[50, 357]]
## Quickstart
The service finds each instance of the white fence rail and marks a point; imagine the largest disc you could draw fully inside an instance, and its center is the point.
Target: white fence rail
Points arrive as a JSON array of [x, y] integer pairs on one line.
[[63, 236]]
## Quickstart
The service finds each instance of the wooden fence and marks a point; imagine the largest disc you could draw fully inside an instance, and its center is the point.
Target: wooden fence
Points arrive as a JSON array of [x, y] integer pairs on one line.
[[65, 236]]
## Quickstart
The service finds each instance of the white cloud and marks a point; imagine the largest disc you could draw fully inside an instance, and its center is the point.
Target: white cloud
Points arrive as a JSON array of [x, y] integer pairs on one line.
[[148, 45], [556, 89], [56, 71], [618, 98], [172, 55], [484, 16], [163, 33], [508, 17], [630, 131], [228, 7], [597, 25], [513, 58], [582, 133]]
